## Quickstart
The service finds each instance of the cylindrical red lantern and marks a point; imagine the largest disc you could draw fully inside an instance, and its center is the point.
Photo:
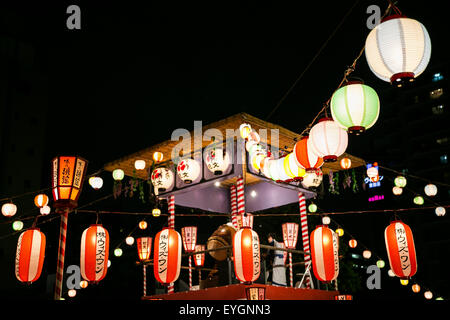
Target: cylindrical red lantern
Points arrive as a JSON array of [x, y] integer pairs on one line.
[[304, 157], [290, 234], [144, 247], [189, 237], [30, 255], [167, 256], [401, 250], [67, 180], [325, 253], [246, 253], [94, 253], [199, 259]]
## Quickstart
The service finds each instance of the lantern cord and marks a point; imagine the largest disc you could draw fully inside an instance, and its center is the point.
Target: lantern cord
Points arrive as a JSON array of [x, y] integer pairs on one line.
[[313, 60]]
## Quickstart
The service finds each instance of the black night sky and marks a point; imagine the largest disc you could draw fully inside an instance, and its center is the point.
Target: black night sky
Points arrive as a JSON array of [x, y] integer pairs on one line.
[[138, 70]]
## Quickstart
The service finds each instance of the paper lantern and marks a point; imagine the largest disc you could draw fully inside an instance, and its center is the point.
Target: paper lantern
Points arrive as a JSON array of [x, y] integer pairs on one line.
[[45, 210], [326, 220], [290, 234], [346, 163], [312, 208], [428, 295], [265, 167], [352, 243], [9, 209], [199, 258], [398, 49], [17, 225], [158, 156], [144, 248], [312, 178], [67, 181], [306, 158], [325, 253], [401, 250], [94, 253], [282, 174], [256, 158], [397, 191], [245, 220], [292, 169], [246, 254], [440, 211], [129, 240], [84, 284], [327, 140], [355, 107], [380, 264], [189, 237], [274, 170], [118, 174], [156, 212], [418, 200], [244, 130], [255, 293], [143, 225], [41, 200], [217, 161], [72, 293], [139, 164], [430, 190], [30, 255], [400, 181], [188, 170], [254, 136], [340, 232], [391, 273], [415, 288], [167, 256], [367, 254], [162, 179], [404, 282], [118, 252], [96, 182]]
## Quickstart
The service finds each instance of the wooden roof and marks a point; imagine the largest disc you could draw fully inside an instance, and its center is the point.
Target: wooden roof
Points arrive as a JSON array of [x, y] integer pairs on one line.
[[286, 138]]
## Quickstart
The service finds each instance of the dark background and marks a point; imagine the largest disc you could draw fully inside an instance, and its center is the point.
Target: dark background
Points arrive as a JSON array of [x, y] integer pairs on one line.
[[138, 70]]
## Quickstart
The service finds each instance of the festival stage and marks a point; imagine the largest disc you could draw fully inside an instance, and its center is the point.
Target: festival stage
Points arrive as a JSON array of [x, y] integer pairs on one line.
[[237, 292]]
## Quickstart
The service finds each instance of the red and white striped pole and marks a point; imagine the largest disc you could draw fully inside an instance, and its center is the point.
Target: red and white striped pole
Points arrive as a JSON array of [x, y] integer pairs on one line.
[[171, 224], [291, 273], [61, 254], [305, 234], [190, 273], [234, 210], [145, 279], [240, 197]]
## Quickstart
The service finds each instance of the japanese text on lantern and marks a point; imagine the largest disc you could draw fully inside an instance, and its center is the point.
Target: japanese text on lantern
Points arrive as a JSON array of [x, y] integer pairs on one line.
[[402, 247], [163, 253], [256, 258], [336, 253], [55, 173], [78, 173], [65, 172], [100, 254]]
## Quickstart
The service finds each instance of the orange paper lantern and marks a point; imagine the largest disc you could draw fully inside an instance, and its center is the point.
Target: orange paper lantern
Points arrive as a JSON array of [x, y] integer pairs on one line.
[[30, 255], [346, 163], [94, 253], [199, 259], [324, 253], [353, 243], [144, 247], [167, 256], [401, 250], [41, 200], [304, 157], [246, 253]]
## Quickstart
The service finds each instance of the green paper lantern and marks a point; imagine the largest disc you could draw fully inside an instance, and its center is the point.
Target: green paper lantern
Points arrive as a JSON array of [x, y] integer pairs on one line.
[[380, 264], [400, 181], [418, 200], [118, 252], [355, 107], [312, 208], [17, 225], [118, 174]]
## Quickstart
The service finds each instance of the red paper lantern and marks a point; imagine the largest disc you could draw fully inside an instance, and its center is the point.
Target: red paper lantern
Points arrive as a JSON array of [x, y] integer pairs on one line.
[[67, 180], [167, 256], [246, 253], [304, 157], [30, 255], [352, 243], [255, 293], [94, 253], [41, 200], [324, 253], [401, 250], [144, 247], [189, 236], [290, 234], [199, 259]]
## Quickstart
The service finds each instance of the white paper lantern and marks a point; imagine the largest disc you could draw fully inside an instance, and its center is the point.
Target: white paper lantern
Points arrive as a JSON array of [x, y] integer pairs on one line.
[[367, 254], [283, 176], [428, 295], [312, 178], [430, 190], [326, 220], [96, 182], [440, 211], [398, 49], [217, 161], [129, 240], [188, 170], [162, 179], [139, 164], [397, 191], [9, 209], [45, 210], [265, 168], [327, 140]]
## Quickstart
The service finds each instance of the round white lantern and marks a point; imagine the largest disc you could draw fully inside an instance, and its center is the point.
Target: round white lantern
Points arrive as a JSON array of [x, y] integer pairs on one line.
[[327, 140], [326, 220], [265, 168], [9, 209], [367, 254], [217, 161], [391, 273], [430, 190], [283, 176], [72, 293], [129, 240], [440, 211], [188, 170], [118, 174], [162, 179], [45, 210], [96, 182], [428, 294], [273, 170], [312, 178], [397, 191], [244, 130], [398, 49], [139, 164]]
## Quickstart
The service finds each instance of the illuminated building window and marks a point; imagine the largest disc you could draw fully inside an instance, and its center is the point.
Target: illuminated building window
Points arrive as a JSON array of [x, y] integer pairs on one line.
[[438, 109], [436, 93]]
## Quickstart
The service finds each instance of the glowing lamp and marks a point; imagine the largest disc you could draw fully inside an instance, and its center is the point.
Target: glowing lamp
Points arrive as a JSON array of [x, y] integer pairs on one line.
[[162, 179], [246, 254], [129, 240], [41, 200], [415, 288], [118, 252], [398, 49], [355, 107], [255, 293], [158, 156], [167, 256], [244, 130], [139, 164], [199, 258], [381, 264], [84, 284], [290, 234], [325, 253], [401, 250], [96, 182], [94, 253], [418, 200], [67, 181], [245, 220], [400, 181], [367, 254], [391, 273], [30, 255], [353, 243], [327, 140], [372, 173], [312, 208], [143, 225], [118, 174], [72, 293], [428, 295], [189, 237], [306, 158], [430, 190], [340, 232], [144, 248], [326, 220], [17, 225], [346, 163], [156, 212], [45, 210], [217, 161], [404, 282], [312, 178], [188, 170], [440, 211], [397, 191], [9, 209], [291, 167]]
